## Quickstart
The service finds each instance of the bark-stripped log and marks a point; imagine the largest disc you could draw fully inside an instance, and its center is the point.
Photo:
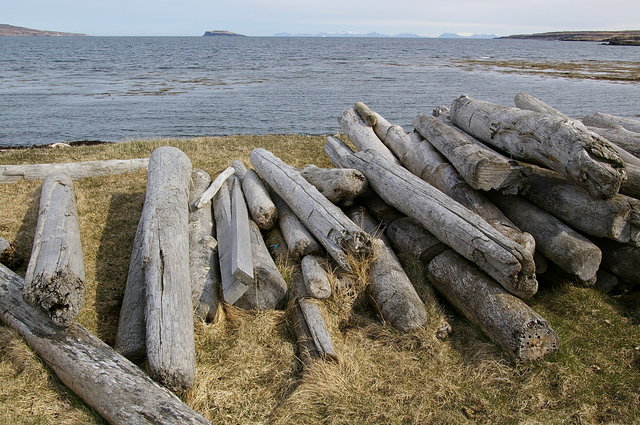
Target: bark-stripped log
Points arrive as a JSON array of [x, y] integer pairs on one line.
[[565, 247], [602, 120], [565, 146], [456, 226], [74, 170], [165, 261], [631, 187], [407, 235], [389, 289], [54, 280], [259, 203], [215, 186], [480, 166], [525, 101], [621, 260], [605, 281], [116, 388], [339, 185], [315, 277], [268, 290], [325, 221], [204, 269], [299, 241], [620, 136], [382, 211], [521, 332], [362, 135]]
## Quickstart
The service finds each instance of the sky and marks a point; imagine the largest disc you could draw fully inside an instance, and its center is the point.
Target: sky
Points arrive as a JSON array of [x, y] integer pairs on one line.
[[264, 18]]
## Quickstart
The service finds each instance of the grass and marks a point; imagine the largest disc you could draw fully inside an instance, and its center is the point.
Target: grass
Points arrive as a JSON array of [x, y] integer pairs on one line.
[[247, 366]]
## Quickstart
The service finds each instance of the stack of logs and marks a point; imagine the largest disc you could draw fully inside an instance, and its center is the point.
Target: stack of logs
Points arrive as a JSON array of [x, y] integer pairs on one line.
[[487, 197]]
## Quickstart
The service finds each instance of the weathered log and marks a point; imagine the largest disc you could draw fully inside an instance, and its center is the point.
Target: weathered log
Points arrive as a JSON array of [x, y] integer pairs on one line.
[[215, 186], [74, 170], [456, 226], [605, 281], [382, 211], [241, 254], [277, 246], [116, 388], [406, 235], [314, 340], [268, 289], [233, 287], [480, 166], [165, 262], [390, 290], [315, 278], [602, 120], [8, 254], [299, 240], [204, 269], [362, 135], [565, 146], [423, 160], [55, 277], [620, 136], [617, 218], [621, 260], [325, 221], [565, 247], [525, 101], [631, 187], [339, 185], [259, 203], [521, 332]]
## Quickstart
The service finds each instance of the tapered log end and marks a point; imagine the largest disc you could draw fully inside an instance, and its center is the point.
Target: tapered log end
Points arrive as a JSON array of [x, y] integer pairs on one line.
[[61, 297], [535, 342], [366, 113]]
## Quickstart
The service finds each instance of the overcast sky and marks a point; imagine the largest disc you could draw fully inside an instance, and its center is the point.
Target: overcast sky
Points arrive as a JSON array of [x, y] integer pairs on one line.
[[252, 17]]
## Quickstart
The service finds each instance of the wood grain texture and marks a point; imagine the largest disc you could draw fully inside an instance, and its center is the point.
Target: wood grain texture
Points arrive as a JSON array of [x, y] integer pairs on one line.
[[315, 277], [338, 185], [603, 120], [362, 135], [74, 170], [299, 241], [259, 203]]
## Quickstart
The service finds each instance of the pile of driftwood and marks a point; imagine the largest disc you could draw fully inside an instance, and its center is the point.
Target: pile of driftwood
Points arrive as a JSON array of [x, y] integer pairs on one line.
[[487, 197]]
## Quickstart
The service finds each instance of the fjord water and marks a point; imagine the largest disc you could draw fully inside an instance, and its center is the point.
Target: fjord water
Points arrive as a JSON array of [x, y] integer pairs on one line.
[[56, 89]]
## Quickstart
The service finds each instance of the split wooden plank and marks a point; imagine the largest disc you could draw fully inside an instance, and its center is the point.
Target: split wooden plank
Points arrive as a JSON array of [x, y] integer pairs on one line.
[[241, 255], [165, 262], [456, 226], [299, 241], [74, 170], [565, 146], [259, 203], [215, 186], [55, 278], [331, 227], [362, 135], [603, 120], [315, 277], [338, 185], [204, 268], [116, 388]]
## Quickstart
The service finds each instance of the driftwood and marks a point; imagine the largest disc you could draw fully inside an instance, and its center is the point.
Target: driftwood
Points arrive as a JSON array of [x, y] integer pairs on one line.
[[314, 340], [617, 218], [325, 221], [259, 203], [522, 333], [315, 278], [362, 135], [565, 247], [456, 226], [241, 252], [621, 260], [408, 236], [299, 241], [480, 166], [563, 145], [390, 289], [165, 262], [8, 255], [602, 120], [277, 246], [204, 269], [620, 136], [339, 185], [55, 277], [382, 211], [605, 281], [74, 170], [116, 388], [268, 289], [423, 160], [215, 186]]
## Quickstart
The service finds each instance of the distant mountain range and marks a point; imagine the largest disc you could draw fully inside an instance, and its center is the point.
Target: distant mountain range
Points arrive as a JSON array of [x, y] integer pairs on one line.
[[378, 35], [10, 30]]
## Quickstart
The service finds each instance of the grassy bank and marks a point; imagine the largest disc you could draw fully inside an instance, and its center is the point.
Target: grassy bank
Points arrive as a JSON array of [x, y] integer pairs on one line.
[[247, 370]]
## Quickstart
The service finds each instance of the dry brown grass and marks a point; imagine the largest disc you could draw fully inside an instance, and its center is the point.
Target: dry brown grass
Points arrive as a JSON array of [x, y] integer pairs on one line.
[[248, 372]]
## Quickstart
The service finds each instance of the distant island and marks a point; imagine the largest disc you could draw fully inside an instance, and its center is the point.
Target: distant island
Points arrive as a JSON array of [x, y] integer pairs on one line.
[[618, 38], [13, 31], [221, 33]]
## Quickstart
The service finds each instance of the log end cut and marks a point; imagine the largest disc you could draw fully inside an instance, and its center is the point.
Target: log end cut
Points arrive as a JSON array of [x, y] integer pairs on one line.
[[61, 296], [535, 342]]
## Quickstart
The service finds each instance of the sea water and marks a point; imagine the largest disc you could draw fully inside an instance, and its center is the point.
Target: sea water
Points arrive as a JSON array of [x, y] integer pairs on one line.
[[55, 89]]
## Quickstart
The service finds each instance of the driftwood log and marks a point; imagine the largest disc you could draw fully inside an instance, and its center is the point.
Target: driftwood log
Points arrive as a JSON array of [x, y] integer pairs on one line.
[[74, 170], [215, 186], [557, 143], [116, 388], [602, 120], [268, 289], [299, 241], [339, 185], [55, 279], [165, 262], [315, 277], [331, 227], [620, 136], [382, 211], [406, 235], [605, 281], [362, 135], [8, 255], [521, 332], [456, 226], [259, 203], [204, 269], [621, 260]]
